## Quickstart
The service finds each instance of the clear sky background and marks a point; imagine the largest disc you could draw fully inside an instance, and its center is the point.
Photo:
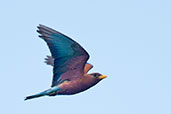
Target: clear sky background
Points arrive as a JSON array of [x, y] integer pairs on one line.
[[128, 40]]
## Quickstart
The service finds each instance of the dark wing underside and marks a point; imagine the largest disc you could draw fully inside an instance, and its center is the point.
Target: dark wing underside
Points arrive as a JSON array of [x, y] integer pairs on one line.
[[70, 57]]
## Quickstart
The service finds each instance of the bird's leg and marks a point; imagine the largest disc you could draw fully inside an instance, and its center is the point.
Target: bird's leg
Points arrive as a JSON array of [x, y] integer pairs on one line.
[[49, 60]]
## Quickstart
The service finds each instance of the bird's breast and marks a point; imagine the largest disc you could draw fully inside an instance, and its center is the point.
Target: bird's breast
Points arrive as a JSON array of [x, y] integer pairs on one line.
[[76, 86]]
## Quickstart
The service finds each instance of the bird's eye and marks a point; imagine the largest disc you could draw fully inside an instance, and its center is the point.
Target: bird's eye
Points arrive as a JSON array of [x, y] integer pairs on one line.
[[94, 74]]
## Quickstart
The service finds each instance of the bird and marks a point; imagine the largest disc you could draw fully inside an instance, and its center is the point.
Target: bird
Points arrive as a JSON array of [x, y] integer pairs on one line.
[[69, 62]]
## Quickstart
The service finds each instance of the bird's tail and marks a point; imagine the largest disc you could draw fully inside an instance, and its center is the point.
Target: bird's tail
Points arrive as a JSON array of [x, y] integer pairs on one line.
[[47, 92], [36, 95]]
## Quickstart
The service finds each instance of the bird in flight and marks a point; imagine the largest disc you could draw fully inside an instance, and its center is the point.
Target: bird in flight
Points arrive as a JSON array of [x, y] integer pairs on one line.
[[70, 67]]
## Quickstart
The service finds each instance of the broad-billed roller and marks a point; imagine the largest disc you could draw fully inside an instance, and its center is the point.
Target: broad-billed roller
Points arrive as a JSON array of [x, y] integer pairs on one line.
[[70, 67]]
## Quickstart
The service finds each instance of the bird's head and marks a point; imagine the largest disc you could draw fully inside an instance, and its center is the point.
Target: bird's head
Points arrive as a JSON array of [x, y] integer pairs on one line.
[[98, 76]]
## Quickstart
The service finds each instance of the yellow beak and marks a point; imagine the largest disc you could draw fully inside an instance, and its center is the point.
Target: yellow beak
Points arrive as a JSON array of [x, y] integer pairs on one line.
[[102, 77]]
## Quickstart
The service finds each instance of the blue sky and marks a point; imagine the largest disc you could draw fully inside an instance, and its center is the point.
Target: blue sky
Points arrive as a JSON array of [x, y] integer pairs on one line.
[[129, 41]]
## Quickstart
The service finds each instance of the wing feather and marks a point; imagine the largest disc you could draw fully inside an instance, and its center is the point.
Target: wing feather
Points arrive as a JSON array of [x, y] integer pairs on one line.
[[69, 57]]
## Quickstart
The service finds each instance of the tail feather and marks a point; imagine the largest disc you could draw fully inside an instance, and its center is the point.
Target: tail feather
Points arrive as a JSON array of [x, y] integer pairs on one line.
[[36, 95], [47, 92], [32, 96]]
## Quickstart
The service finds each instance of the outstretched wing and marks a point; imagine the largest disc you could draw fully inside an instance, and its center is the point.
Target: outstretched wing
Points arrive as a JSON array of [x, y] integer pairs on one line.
[[49, 60], [69, 56]]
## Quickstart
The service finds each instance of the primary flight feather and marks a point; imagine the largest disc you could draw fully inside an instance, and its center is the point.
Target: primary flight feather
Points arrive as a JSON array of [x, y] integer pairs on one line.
[[70, 67]]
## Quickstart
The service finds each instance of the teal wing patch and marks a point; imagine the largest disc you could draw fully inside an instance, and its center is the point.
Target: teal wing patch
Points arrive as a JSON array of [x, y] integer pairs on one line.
[[69, 56]]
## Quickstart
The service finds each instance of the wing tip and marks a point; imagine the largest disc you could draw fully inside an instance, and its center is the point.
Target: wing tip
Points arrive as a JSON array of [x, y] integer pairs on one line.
[[41, 26], [45, 31]]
